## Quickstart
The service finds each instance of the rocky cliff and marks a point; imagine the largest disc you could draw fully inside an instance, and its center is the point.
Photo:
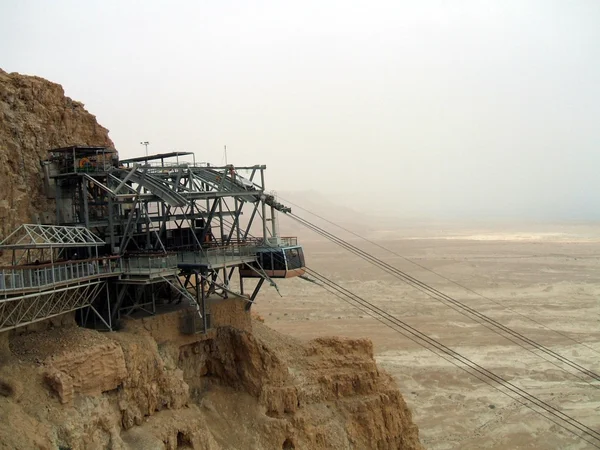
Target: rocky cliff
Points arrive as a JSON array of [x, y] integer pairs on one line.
[[35, 116], [74, 388]]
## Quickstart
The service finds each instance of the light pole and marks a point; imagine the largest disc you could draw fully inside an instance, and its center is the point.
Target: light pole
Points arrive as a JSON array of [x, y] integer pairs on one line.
[[145, 144]]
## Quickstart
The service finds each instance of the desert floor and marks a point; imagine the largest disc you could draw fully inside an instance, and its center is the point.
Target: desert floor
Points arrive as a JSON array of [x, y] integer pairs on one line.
[[550, 274]]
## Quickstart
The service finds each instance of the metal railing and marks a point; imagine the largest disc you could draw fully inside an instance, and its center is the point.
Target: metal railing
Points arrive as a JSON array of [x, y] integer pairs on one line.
[[230, 251], [216, 243], [45, 276], [157, 166], [288, 241], [214, 255], [149, 263], [95, 167], [220, 243]]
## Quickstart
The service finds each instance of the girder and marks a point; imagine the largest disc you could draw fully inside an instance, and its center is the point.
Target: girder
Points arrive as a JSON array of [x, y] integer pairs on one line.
[[140, 212], [26, 309]]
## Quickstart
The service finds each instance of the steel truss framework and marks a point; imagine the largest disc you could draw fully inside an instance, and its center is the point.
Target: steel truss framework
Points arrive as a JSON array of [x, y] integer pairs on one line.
[[136, 208], [148, 209], [29, 236], [129, 202], [26, 309]]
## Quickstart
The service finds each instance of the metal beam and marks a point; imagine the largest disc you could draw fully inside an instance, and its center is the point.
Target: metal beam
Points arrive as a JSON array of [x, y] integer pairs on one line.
[[24, 310], [209, 220], [255, 293], [251, 220], [235, 224], [126, 179]]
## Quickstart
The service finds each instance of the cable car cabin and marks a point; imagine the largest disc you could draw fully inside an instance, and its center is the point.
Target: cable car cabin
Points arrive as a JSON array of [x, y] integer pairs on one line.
[[276, 262]]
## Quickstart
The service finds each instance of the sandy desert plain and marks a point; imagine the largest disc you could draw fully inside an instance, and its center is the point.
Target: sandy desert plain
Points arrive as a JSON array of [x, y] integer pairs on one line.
[[549, 273]]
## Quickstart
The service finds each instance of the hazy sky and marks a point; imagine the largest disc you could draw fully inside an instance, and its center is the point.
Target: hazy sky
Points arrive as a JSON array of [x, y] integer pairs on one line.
[[462, 108]]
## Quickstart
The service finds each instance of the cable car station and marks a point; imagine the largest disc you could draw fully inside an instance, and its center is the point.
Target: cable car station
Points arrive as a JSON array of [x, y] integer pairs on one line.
[[130, 235]]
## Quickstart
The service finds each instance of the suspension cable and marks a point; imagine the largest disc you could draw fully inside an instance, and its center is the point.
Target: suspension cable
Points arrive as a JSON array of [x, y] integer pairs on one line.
[[466, 288], [473, 314], [468, 365]]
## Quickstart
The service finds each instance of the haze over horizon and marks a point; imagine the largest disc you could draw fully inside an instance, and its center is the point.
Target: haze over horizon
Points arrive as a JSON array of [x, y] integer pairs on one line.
[[446, 109]]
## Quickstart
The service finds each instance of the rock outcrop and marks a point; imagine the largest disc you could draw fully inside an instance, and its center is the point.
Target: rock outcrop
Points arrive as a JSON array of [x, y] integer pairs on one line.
[[76, 388], [35, 116]]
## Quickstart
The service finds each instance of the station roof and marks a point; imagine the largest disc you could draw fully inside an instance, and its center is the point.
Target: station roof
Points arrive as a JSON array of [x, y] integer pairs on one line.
[[156, 156], [29, 236], [82, 149]]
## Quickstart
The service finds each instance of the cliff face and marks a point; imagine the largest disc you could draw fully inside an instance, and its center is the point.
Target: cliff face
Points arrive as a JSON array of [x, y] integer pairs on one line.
[[35, 116], [79, 389], [149, 387]]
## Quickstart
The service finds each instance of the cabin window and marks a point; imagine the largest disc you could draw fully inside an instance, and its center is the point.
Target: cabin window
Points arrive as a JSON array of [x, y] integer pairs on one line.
[[266, 261], [295, 258], [278, 260]]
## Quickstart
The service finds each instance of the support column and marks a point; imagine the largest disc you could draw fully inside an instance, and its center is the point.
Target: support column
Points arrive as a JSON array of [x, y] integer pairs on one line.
[[263, 206], [238, 211], [264, 219], [58, 201], [254, 294], [108, 306], [153, 300], [221, 220], [203, 306], [86, 212], [226, 281], [148, 220], [274, 224], [198, 288], [111, 226]]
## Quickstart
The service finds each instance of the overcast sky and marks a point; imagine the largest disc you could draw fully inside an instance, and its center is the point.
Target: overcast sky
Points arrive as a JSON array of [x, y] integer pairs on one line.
[[462, 108]]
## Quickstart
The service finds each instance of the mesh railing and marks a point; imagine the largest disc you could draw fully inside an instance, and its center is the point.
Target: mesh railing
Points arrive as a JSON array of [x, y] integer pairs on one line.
[[149, 263], [289, 241], [44, 276], [219, 255]]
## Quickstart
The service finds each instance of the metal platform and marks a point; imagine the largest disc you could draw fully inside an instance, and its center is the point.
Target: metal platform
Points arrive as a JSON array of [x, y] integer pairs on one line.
[[17, 280], [149, 266], [217, 258]]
